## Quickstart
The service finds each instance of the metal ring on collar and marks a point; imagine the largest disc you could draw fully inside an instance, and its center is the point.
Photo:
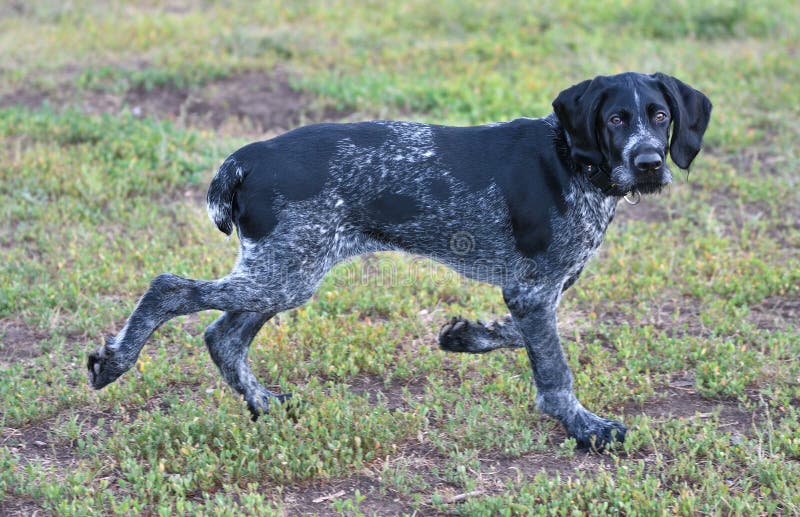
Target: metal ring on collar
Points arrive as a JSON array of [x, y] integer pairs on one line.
[[637, 197]]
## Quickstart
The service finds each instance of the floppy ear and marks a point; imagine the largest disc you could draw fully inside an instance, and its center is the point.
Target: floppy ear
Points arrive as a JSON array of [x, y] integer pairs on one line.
[[576, 109], [691, 111]]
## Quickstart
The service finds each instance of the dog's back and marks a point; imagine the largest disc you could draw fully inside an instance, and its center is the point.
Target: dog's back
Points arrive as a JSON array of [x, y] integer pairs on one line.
[[422, 188]]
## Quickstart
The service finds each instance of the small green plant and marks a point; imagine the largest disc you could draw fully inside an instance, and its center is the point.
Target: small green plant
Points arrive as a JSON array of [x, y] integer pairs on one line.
[[349, 506]]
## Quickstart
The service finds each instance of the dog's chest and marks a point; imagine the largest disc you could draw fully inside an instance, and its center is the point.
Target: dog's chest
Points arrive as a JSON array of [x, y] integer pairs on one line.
[[580, 232]]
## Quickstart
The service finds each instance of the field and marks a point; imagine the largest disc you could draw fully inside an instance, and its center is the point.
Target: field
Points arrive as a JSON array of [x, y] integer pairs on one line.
[[114, 117]]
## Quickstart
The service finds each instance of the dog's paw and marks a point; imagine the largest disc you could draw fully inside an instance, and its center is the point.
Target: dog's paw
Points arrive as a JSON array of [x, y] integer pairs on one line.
[[103, 369], [595, 433], [462, 335], [259, 404], [457, 335]]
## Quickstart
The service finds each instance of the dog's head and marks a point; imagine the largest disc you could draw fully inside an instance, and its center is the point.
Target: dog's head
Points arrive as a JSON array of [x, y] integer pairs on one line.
[[621, 123]]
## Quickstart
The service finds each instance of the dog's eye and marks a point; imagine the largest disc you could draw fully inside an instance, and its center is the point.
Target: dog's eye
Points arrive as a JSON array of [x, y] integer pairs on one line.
[[660, 116], [615, 120]]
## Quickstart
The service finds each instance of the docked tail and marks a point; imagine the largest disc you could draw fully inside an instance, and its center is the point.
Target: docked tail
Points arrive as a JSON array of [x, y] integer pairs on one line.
[[219, 200]]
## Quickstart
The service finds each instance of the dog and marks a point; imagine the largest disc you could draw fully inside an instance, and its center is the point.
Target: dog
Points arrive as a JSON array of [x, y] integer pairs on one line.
[[521, 204]]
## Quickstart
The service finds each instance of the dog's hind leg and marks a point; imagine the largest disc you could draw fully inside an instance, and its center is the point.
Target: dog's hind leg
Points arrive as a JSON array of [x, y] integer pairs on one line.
[[265, 292], [461, 335], [168, 296], [271, 276], [228, 340]]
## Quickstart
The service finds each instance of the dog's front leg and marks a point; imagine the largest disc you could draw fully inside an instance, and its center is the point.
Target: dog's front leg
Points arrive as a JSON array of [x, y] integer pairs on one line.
[[534, 312]]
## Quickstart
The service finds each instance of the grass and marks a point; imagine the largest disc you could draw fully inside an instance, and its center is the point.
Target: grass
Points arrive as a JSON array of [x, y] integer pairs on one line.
[[684, 326]]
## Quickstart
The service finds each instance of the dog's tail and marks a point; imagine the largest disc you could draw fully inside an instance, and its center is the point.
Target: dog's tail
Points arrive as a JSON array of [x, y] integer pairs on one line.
[[219, 200]]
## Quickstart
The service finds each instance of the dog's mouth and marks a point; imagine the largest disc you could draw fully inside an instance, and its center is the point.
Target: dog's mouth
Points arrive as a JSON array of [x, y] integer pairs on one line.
[[641, 182], [639, 188], [652, 182], [649, 187]]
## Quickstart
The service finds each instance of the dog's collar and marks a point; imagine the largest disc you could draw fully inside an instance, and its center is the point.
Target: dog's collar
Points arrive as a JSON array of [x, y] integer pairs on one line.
[[600, 178]]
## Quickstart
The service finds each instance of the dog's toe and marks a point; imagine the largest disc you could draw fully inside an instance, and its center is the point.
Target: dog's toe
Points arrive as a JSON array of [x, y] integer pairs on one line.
[[94, 363], [596, 433], [449, 329]]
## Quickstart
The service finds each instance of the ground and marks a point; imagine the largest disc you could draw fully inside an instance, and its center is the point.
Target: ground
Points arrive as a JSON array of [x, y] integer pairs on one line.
[[114, 117]]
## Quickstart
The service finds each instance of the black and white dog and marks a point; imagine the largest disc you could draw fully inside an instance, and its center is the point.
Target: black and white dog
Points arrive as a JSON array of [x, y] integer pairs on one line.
[[521, 204]]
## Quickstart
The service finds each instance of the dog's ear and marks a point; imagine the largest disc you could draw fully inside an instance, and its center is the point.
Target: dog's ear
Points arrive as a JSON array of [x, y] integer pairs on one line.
[[576, 109], [691, 111]]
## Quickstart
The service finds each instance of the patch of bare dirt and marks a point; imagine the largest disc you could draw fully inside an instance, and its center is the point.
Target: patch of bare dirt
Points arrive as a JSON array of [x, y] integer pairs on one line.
[[35, 443], [418, 461], [393, 395], [19, 341], [788, 234], [648, 210], [318, 498], [775, 313], [674, 315], [677, 316], [265, 101], [262, 101], [684, 403], [755, 160], [14, 506], [499, 471], [41, 441], [25, 97]]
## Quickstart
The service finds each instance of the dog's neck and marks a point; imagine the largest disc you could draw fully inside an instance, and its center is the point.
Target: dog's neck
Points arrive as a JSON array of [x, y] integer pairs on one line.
[[597, 174], [591, 203]]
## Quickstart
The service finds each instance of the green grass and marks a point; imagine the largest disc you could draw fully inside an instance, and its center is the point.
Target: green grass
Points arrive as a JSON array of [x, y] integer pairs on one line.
[[684, 326]]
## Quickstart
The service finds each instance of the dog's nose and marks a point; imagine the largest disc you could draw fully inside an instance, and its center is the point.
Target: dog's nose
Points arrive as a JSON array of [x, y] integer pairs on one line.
[[648, 162]]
